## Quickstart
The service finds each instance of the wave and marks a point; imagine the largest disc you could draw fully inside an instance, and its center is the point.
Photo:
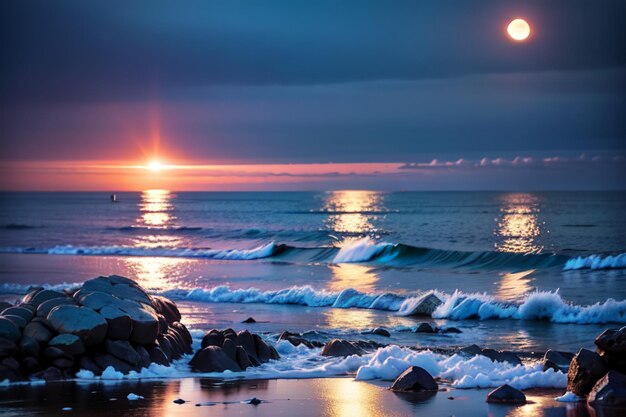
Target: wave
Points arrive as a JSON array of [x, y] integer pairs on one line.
[[541, 305], [352, 250], [156, 229], [596, 262]]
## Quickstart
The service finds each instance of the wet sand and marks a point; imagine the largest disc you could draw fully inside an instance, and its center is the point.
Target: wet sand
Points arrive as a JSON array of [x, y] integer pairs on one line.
[[308, 397]]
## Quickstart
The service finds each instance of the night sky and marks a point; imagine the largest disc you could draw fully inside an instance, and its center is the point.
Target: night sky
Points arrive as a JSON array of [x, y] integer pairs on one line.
[[319, 82]]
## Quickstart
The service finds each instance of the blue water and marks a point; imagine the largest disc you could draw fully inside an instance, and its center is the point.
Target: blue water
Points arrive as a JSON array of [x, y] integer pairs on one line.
[[340, 261]]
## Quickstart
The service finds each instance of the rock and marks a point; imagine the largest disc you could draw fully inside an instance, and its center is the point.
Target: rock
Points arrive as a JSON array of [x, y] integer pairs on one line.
[[44, 308], [9, 330], [84, 322], [44, 295], [69, 343], [8, 373], [263, 352], [212, 338], [494, 355], [17, 320], [97, 299], [30, 364], [338, 347], [157, 355], [7, 347], [425, 305], [104, 360], [213, 359], [245, 339], [585, 370], [424, 328], [249, 320], [166, 307], [254, 401], [29, 346], [11, 363], [145, 324], [610, 390], [184, 333], [86, 363], [123, 350], [179, 401], [4, 305], [559, 361], [274, 353], [243, 359], [380, 331], [296, 339], [50, 374], [54, 352], [612, 348], [144, 355], [38, 331], [119, 324], [63, 362], [414, 378], [230, 349], [120, 287], [24, 313], [451, 330], [506, 394]]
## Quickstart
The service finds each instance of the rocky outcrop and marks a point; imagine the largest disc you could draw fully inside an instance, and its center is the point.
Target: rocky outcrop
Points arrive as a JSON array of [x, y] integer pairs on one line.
[[226, 350], [297, 339], [109, 321], [611, 346], [339, 347], [610, 390], [506, 394], [585, 370], [414, 378], [494, 355]]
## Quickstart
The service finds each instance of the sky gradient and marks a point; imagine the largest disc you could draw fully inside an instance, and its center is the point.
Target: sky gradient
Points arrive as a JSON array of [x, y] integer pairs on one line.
[[312, 95]]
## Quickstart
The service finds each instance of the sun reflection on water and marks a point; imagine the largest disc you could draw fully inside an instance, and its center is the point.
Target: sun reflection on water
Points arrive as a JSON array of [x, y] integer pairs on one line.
[[353, 211], [518, 229]]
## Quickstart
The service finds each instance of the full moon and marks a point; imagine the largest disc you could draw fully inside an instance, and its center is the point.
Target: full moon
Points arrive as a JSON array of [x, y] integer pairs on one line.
[[518, 30]]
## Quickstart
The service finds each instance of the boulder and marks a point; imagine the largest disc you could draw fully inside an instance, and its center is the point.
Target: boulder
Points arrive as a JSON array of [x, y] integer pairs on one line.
[[43, 295], [242, 357], [50, 374], [69, 343], [24, 313], [249, 320], [144, 356], [96, 300], [212, 338], [610, 390], [145, 324], [104, 360], [9, 330], [17, 320], [559, 361], [451, 330], [295, 339], [123, 350], [414, 378], [88, 364], [7, 347], [29, 346], [506, 394], [425, 305], [245, 339], [263, 352], [119, 324], [230, 349], [213, 359], [612, 348], [38, 331], [273, 353], [338, 347], [120, 287], [585, 370], [84, 322], [4, 305], [379, 331], [44, 308], [167, 308], [424, 328], [157, 355]]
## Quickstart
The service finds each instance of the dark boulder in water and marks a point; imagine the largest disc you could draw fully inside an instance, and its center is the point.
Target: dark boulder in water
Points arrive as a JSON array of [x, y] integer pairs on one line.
[[9, 330], [610, 390], [44, 308], [612, 348], [339, 347], [494, 355], [120, 325], [212, 338], [24, 313], [425, 305], [38, 331], [123, 350], [585, 370], [559, 361], [213, 359], [296, 339], [249, 320], [69, 343], [242, 358], [415, 379], [424, 328], [380, 331], [451, 330], [506, 394], [41, 296]]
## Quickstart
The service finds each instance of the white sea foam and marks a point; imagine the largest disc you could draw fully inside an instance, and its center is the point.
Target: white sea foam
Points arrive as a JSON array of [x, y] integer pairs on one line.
[[359, 250], [596, 262], [11, 288], [568, 397]]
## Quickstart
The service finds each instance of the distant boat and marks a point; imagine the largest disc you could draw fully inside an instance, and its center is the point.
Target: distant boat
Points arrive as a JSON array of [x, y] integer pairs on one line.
[[114, 199]]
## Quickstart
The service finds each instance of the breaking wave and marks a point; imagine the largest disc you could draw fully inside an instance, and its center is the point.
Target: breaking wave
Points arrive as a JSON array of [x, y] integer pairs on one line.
[[353, 250]]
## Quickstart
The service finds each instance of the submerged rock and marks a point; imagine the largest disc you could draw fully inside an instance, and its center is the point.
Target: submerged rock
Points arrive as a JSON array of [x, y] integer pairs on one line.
[[380, 331], [506, 394], [559, 361], [610, 390], [339, 347], [415, 379], [249, 320], [585, 370], [426, 305], [424, 328]]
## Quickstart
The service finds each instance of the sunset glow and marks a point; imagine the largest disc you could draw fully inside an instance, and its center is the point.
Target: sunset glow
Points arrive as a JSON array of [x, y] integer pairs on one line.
[[155, 166]]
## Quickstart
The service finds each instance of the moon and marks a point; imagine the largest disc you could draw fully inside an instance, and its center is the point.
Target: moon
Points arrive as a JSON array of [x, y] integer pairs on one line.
[[518, 30]]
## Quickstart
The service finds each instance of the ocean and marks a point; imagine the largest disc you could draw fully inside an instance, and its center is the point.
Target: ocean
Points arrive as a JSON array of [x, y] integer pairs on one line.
[[522, 271]]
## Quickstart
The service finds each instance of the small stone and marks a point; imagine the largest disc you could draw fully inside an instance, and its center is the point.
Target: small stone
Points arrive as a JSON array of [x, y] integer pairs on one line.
[[179, 401], [254, 401], [506, 394]]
